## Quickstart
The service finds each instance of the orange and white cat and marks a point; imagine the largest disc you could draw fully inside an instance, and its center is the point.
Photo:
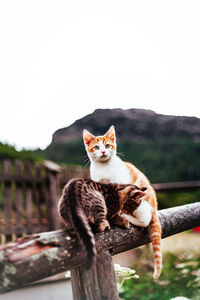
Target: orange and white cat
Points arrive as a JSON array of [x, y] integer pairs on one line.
[[106, 166]]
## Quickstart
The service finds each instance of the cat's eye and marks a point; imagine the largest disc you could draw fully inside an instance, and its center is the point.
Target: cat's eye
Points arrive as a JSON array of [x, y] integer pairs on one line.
[[96, 147], [107, 146]]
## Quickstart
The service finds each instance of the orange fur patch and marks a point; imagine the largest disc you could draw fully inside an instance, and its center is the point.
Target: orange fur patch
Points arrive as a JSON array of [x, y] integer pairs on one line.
[[138, 178], [96, 140]]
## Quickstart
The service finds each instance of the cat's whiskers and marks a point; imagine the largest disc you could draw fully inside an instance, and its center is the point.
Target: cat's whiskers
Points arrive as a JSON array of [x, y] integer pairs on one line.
[[86, 160], [120, 154]]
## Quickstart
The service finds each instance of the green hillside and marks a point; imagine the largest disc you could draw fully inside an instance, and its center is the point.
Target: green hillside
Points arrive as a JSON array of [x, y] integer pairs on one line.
[[161, 162], [9, 152], [165, 148]]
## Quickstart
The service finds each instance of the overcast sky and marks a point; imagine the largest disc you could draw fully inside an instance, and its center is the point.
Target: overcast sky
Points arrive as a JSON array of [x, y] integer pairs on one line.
[[60, 60]]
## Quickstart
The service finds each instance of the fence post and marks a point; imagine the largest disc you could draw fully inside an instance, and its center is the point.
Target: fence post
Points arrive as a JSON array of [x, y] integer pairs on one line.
[[53, 170], [97, 283], [7, 167]]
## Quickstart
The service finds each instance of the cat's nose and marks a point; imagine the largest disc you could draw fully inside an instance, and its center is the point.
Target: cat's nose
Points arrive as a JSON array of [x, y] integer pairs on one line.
[[103, 152]]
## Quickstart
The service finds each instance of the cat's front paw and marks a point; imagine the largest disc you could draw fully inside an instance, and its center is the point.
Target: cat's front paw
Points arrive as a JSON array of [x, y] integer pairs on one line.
[[125, 223], [119, 220], [103, 226]]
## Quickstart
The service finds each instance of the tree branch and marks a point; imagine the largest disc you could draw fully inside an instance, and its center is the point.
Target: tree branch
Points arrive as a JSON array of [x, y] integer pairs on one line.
[[41, 255]]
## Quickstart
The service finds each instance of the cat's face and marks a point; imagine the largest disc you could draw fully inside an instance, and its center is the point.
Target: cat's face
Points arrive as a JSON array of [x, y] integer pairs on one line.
[[100, 148], [132, 196]]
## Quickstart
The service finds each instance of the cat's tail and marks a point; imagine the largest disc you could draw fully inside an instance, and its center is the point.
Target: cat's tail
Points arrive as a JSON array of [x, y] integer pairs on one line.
[[84, 231], [81, 224], [155, 233]]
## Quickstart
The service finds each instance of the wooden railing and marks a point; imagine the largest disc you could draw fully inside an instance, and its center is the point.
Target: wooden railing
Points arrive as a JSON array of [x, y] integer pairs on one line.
[[177, 186], [41, 255], [29, 195]]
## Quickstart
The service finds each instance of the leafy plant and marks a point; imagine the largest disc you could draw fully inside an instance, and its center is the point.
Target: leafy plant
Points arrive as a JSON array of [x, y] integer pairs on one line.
[[180, 277], [124, 273]]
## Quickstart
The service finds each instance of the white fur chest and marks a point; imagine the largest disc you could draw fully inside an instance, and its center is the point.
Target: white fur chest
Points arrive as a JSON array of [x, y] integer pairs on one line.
[[114, 171]]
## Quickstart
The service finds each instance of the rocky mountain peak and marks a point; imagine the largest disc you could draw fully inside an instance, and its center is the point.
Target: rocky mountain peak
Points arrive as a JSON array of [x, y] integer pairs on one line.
[[132, 124]]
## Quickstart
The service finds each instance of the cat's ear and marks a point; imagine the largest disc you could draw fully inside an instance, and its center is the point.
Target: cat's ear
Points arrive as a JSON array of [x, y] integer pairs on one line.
[[138, 194], [111, 134], [87, 137]]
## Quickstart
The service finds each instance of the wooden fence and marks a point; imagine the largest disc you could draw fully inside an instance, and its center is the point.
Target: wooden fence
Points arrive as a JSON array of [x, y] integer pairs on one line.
[[29, 195]]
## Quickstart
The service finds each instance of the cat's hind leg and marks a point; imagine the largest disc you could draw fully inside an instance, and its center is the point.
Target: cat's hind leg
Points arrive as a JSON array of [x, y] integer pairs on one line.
[[103, 225], [99, 224], [99, 219], [120, 220]]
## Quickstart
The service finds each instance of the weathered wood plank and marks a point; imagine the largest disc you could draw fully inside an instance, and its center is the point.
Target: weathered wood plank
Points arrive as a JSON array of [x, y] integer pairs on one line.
[[1, 215], [18, 199], [176, 186], [29, 208], [97, 283], [37, 188], [7, 166], [85, 284], [49, 253], [21, 178], [106, 276], [52, 201]]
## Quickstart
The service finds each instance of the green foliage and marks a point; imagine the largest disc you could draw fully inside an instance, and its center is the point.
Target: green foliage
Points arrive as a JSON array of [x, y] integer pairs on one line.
[[164, 162], [7, 151], [70, 153], [175, 160], [172, 199], [180, 277], [160, 161]]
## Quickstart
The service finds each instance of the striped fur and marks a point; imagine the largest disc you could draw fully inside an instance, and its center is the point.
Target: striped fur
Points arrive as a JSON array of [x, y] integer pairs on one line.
[[106, 165], [87, 206]]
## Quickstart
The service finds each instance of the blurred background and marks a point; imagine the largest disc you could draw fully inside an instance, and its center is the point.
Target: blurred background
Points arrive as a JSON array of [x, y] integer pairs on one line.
[[70, 65]]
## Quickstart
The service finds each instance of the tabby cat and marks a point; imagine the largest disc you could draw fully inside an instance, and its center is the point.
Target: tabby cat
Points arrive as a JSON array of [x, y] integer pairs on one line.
[[106, 166], [87, 206]]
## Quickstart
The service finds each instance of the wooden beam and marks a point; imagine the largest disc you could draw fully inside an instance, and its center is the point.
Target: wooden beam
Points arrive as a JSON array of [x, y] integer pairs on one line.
[[177, 186], [97, 283], [41, 255]]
